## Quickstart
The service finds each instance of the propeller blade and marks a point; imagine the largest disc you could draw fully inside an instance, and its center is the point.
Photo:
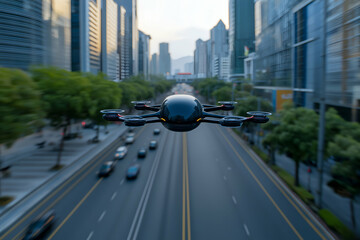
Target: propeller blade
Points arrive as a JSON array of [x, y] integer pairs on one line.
[[259, 113], [112, 111], [140, 102], [227, 102]]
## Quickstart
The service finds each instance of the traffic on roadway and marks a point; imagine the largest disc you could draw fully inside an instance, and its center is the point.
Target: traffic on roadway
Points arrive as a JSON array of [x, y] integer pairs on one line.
[[204, 184]]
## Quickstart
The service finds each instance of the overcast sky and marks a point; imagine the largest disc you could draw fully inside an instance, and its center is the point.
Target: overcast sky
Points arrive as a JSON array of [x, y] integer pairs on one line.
[[180, 22]]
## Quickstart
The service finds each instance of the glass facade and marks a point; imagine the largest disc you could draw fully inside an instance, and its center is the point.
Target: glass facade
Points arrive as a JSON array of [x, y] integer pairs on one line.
[[273, 42], [307, 51], [241, 33], [343, 55], [21, 33], [122, 47], [57, 33], [85, 36], [109, 40]]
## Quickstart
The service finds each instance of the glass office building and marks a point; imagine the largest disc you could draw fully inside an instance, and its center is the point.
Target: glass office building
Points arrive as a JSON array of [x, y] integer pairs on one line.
[[85, 35], [241, 34], [109, 39], [21, 34], [273, 28], [35, 33], [343, 57], [57, 33]]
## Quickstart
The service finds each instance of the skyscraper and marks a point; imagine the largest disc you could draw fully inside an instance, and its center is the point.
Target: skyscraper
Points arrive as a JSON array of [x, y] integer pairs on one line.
[[109, 39], [241, 34], [144, 54], [131, 34], [164, 59], [122, 44], [219, 48], [25, 24], [201, 59], [35, 33], [154, 64], [85, 36]]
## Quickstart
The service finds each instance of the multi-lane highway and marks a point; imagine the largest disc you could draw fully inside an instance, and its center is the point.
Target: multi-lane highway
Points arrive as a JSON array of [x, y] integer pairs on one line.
[[198, 185]]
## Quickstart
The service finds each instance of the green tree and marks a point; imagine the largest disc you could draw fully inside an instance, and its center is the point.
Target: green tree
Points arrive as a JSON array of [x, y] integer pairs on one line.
[[295, 136], [345, 173], [105, 94], [222, 94], [67, 97], [20, 107]]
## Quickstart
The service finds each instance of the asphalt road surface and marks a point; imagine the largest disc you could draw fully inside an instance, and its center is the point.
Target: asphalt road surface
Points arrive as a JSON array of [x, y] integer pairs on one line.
[[197, 185]]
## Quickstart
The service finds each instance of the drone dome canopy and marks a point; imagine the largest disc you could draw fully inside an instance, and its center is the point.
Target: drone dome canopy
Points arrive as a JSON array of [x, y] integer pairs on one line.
[[181, 112]]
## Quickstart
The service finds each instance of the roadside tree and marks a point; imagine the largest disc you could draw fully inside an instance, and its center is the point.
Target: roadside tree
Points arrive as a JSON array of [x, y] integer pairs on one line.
[[20, 107], [295, 136], [104, 94], [67, 97]]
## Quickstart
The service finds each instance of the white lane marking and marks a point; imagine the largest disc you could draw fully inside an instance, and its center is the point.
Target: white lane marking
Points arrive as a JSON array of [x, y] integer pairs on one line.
[[135, 226], [225, 178], [122, 181], [234, 199], [102, 216], [90, 235], [229, 168], [246, 230], [113, 196]]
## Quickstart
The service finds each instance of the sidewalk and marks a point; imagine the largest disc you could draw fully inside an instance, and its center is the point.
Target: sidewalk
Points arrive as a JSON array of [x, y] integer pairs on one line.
[[31, 179], [337, 204]]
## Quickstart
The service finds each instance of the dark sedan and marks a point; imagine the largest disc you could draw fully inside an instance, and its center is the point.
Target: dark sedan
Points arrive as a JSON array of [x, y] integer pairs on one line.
[[40, 227], [156, 131], [106, 169], [152, 145], [133, 171], [142, 153]]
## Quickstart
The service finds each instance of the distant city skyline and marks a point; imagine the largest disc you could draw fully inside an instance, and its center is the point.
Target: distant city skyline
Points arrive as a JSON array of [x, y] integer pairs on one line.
[[180, 22]]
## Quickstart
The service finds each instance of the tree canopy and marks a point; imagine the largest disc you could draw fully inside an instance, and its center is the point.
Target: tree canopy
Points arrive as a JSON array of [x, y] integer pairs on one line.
[[20, 105]]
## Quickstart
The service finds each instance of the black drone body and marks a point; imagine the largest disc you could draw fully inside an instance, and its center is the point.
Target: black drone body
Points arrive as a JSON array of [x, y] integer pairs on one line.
[[182, 113]]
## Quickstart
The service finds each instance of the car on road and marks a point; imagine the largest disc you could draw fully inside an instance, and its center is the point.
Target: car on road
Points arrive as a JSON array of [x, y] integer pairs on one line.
[[129, 140], [152, 145], [133, 171], [106, 169], [130, 134], [41, 226], [120, 153], [156, 131], [142, 153]]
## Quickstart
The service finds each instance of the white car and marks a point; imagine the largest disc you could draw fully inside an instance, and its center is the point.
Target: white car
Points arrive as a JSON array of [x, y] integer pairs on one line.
[[129, 140], [120, 153]]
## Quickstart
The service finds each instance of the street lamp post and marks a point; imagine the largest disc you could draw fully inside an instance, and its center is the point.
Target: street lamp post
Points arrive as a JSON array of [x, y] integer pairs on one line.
[[321, 133]]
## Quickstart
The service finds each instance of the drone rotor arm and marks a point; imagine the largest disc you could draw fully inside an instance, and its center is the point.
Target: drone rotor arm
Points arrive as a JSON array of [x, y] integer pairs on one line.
[[205, 114]]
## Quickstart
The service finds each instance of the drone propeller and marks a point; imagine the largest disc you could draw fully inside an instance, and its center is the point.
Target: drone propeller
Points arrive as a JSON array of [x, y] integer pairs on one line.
[[232, 121], [112, 111], [227, 102], [134, 121], [259, 113], [259, 116], [140, 102]]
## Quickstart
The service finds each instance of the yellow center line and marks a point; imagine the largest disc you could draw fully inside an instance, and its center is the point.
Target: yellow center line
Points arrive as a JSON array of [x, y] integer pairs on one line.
[[187, 189], [281, 190], [186, 195], [75, 208], [183, 200], [262, 187]]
